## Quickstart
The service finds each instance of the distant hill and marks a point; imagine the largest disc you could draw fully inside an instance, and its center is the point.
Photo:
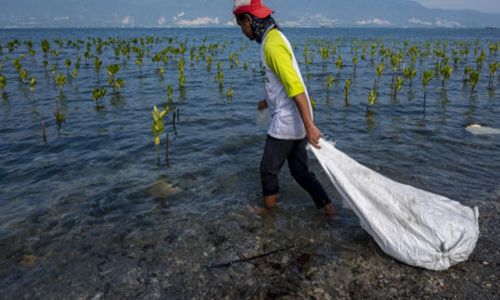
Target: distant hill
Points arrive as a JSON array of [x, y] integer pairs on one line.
[[315, 13]]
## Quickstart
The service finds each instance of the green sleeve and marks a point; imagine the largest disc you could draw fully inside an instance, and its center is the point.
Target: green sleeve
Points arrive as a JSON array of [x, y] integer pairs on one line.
[[278, 57]]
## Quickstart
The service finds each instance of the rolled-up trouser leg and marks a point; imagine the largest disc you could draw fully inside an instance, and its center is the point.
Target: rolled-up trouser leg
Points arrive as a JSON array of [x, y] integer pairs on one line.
[[298, 164], [275, 154]]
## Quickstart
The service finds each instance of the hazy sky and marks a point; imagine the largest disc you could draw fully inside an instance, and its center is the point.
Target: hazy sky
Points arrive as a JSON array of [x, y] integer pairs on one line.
[[481, 5]]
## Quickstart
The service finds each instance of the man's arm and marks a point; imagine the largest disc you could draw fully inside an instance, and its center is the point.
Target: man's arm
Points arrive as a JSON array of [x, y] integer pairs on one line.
[[312, 132]]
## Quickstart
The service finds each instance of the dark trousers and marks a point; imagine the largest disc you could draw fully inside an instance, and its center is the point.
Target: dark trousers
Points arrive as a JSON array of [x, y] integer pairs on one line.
[[294, 151]]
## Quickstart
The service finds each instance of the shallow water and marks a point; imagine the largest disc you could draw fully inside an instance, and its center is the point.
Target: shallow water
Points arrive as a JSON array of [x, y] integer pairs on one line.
[[98, 179]]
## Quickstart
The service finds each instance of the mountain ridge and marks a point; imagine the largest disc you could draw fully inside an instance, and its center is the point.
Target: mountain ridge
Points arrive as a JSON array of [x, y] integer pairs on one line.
[[312, 13]]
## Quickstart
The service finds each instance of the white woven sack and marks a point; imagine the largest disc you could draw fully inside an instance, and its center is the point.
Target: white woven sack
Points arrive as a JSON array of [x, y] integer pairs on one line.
[[413, 226]]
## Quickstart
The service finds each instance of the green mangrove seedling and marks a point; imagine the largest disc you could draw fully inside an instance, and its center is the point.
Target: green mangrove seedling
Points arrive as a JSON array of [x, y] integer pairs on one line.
[[229, 94], [409, 74], [158, 124], [45, 47], [426, 79], [473, 79], [398, 84], [329, 81], [67, 63], [60, 119], [355, 62], [446, 72], [492, 72], [17, 64], [97, 65], [493, 47], [396, 59], [347, 88], [60, 82], [115, 83], [339, 64], [372, 98], [97, 94], [170, 94], [3, 83], [480, 59], [32, 84], [325, 53], [182, 77], [220, 75], [467, 71], [379, 71], [23, 75], [112, 70]]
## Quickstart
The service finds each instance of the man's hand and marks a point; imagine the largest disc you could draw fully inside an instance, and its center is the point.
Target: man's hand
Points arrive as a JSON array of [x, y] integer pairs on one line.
[[262, 105], [313, 136]]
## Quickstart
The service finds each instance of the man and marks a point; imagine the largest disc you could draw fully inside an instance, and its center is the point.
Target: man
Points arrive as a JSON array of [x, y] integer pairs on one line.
[[292, 124]]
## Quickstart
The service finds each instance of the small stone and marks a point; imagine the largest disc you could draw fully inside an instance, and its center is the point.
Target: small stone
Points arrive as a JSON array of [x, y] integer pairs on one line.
[[29, 261], [485, 263], [162, 188], [488, 285]]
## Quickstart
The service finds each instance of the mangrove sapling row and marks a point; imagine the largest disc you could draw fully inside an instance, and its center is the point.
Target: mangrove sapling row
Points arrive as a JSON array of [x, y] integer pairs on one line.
[[406, 59]]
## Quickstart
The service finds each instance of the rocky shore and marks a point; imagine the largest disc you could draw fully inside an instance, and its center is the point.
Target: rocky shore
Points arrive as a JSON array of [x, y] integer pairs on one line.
[[288, 254]]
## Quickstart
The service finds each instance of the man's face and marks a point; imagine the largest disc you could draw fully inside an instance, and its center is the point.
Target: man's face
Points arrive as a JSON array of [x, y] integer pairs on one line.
[[246, 26]]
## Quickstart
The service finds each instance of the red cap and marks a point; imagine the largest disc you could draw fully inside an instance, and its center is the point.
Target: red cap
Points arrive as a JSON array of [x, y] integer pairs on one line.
[[253, 7]]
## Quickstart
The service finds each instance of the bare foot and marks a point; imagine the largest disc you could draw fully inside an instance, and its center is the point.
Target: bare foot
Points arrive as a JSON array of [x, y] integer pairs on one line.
[[270, 201], [329, 210], [257, 209]]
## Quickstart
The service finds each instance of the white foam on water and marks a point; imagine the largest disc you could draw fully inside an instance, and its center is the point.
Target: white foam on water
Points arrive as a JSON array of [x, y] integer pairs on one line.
[[477, 129]]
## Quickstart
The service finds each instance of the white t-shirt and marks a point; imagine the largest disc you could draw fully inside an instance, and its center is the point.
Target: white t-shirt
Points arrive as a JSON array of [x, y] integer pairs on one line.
[[283, 82]]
